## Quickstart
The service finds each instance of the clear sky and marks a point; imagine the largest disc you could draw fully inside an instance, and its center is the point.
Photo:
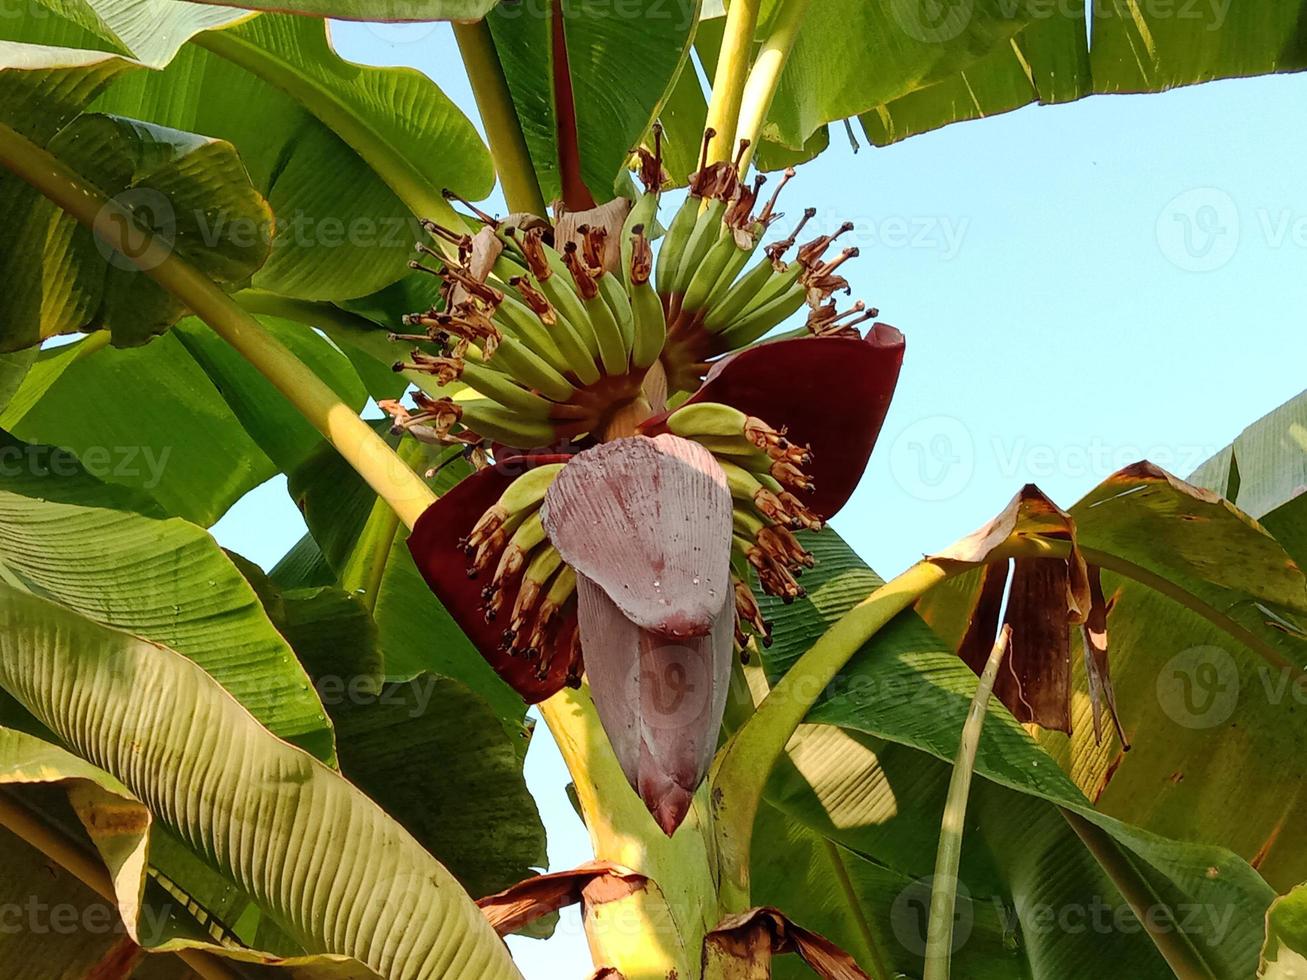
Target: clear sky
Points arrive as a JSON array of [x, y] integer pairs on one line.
[[1080, 286]]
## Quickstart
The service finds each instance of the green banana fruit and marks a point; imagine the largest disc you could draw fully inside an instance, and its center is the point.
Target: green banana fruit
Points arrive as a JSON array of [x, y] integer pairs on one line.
[[703, 279], [753, 325], [493, 384], [708, 419], [674, 243], [707, 228], [741, 294], [524, 364], [531, 330], [491, 420], [615, 295]]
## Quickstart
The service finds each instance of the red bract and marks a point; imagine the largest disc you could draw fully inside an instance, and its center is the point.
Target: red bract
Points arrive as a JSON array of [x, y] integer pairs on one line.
[[827, 393], [436, 545]]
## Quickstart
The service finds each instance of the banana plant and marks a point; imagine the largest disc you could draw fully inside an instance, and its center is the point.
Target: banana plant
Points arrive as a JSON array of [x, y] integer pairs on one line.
[[619, 421]]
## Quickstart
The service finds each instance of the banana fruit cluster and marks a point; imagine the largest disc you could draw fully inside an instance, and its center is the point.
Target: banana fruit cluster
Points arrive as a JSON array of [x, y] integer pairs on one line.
[[556, 333], [764, 472], [509, 544], [564, 335]]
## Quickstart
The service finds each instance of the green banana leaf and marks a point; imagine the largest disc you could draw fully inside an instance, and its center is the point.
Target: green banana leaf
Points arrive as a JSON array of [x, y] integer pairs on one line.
[[1046, 62], [13, 369], [1150, 48], [379, 10], [430, 750], [1285, 954], [202, 427], [623, 60], [347, 156], [909, 688], [327, 865], [859, 817], [63, 279], [416, 634], [149, 32], [905, 67], [1264, 472], [108, 554]]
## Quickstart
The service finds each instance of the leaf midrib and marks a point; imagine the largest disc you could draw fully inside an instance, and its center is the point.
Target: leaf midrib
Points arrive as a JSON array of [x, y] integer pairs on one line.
[[386, 159]]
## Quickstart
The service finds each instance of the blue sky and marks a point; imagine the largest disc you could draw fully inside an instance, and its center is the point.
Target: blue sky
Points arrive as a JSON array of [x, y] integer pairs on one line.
[[1080, 286]]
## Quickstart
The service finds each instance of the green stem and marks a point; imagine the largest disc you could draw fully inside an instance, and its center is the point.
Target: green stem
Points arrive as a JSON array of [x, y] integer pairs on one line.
[[1172, 943], [656, 932], [366, 566], [354, 439], [740, 770], [728, 80], [944, 885], [508, 147], [765, 76]]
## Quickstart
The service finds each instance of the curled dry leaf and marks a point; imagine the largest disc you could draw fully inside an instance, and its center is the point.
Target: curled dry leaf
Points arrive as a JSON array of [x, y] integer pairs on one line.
[[593, 883], [1030, 514], [743, 946], [1046, 596]]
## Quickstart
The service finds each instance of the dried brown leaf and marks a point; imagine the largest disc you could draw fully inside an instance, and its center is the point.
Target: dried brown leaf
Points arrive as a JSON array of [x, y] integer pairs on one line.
[[744, 945], [594, 883], [1094, 633]]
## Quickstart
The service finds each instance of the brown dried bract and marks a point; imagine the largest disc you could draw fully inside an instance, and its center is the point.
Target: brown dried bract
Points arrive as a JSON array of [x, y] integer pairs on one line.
[[592, 883], [1046, 597], [603, 223], [743, 945], [1094, 634]]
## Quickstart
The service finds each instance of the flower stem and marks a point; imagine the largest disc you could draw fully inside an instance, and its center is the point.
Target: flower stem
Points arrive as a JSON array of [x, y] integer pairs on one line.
[[728, 80], [658, 931], [508, 147], [366, 566], [576, 196], [354, 439], [944, 885], [765, 76]]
